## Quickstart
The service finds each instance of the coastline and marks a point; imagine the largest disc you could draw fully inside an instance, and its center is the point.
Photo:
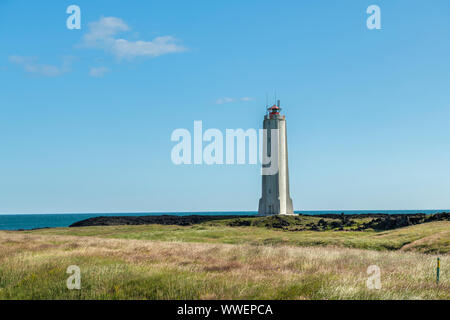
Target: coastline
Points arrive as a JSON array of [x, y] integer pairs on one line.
[[298, 222], [15, 222]]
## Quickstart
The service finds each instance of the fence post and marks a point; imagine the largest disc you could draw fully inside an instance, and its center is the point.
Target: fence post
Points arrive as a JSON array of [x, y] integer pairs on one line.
[[437, 270]]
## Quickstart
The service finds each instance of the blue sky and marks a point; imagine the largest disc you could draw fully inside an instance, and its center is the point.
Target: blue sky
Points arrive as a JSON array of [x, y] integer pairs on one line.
[[85, 124]]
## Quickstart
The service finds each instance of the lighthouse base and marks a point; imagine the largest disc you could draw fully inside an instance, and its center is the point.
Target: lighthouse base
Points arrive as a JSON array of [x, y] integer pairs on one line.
[[277, 207]]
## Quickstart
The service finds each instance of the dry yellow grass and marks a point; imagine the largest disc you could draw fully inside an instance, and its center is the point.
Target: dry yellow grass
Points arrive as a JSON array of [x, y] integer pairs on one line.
[[33, 266]]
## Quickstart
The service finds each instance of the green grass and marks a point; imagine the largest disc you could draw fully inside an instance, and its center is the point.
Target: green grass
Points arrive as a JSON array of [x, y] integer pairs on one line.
[[212, 233]]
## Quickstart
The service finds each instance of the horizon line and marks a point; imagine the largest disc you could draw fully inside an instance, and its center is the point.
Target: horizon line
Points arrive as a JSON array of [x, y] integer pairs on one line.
[[217, 211]]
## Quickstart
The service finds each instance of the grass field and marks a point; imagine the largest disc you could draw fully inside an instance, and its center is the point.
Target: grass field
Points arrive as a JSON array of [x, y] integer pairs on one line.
[[427, 238], [218, 262]]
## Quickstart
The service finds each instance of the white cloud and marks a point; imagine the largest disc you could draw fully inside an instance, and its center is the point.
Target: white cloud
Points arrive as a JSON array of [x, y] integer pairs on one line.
[[229, 100], [104, 29], [31, 65], [159, 46], [98, 72], [224, 100], [103, 35]]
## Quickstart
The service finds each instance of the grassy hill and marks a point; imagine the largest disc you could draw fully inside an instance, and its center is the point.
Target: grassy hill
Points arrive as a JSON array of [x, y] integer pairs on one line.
[[216, 261]]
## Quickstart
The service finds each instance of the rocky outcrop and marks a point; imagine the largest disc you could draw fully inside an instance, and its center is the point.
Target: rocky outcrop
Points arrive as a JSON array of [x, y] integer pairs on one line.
[[398, 221], [141, 220], [337, 222]]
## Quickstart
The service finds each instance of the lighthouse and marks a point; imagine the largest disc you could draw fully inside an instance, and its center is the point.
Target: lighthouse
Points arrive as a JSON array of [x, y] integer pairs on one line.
[[275, 197]]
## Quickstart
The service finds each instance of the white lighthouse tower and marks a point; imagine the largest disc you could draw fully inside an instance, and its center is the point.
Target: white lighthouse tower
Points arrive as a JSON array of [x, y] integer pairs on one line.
[[275, 197]]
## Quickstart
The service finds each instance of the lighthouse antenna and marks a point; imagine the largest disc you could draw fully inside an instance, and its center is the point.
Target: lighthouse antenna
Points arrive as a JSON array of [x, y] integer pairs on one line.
[[267, 99]]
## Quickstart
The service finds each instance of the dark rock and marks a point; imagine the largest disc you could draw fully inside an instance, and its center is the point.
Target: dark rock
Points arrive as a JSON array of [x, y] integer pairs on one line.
[[277, 222], [336, 224], [239, 223], [379, 221], [142, 220]]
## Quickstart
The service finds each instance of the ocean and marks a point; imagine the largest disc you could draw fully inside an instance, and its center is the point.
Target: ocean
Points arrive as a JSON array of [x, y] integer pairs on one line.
[[34, 221]]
